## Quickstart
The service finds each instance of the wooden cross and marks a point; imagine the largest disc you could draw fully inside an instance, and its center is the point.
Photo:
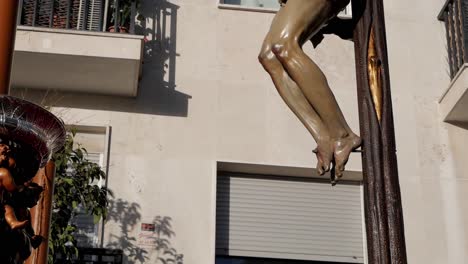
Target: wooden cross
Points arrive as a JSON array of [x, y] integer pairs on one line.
[[383, 209], [8, 11]]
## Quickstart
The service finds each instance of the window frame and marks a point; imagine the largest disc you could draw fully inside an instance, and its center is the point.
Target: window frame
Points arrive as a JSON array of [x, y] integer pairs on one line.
[[274, 261], [346, 14], [245, 8], [105, 131], [243, 170]]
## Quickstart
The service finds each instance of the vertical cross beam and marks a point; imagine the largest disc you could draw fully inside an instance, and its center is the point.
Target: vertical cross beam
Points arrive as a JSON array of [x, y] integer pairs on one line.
[[383, 209], [8, 13], [42, 212]]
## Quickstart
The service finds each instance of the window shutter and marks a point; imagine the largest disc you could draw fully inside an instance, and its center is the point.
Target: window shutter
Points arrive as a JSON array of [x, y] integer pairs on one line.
[[288, 219], [93, 10], [27, 13], [254, 3], [87, 234], [86, 231], [261, 3], [37, 12]]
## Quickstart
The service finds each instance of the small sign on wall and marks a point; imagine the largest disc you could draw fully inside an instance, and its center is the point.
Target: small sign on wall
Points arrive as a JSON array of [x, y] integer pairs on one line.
[[148, 227], [147, 237]]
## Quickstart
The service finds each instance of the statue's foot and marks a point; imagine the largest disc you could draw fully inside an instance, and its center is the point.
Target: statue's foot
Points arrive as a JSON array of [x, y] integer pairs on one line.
[[18, 224], [324, 158], [342, 149]]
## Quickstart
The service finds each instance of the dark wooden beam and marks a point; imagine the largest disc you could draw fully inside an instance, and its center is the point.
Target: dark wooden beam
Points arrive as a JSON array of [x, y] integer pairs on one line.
[[41, 214], [383, 208], [8, 13]]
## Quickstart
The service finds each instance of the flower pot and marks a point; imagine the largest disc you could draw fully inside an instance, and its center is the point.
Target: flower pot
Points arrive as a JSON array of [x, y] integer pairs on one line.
[[121, 29]]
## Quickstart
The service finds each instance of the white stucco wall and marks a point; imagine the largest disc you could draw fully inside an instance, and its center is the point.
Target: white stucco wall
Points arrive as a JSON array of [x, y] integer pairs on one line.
[[431, 188], [164, 145]]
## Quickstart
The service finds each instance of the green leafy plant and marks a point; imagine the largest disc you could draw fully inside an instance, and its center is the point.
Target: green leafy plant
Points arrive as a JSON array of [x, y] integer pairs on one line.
[[125, 11], [73, 189]]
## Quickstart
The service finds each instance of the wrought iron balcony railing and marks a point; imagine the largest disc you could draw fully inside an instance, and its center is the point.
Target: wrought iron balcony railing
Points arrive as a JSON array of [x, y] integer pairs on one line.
[[455, 15], [91, 15]]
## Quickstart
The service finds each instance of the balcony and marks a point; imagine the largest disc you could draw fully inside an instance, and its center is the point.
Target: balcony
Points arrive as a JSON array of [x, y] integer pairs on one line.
[[454, 102], [84, 46]]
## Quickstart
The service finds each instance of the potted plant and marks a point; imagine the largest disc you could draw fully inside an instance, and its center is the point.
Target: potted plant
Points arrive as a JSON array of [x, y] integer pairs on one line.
[[126, 12]]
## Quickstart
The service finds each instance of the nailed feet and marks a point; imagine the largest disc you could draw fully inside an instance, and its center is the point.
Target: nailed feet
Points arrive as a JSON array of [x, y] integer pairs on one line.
[[335, 153]]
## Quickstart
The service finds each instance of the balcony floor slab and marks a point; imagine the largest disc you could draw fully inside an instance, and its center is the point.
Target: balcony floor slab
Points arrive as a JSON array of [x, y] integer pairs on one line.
[[77, 61]]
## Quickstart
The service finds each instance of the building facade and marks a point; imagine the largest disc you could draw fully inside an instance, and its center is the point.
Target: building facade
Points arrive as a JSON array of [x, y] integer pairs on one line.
[[182, 104]]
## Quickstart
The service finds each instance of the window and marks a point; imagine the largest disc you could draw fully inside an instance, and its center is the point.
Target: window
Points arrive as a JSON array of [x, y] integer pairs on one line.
[[240, 260], [65, 14], [276, 220], [95, 141], [253, 3], [87, 234], [267, 5]]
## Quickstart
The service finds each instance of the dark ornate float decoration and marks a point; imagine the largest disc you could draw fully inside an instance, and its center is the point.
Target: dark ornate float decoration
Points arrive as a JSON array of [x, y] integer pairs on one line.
[[29, 136]]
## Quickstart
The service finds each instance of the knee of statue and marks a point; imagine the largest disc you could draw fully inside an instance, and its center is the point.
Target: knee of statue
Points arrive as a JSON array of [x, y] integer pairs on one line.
[[268, 60], [284, 49], [262, 57]]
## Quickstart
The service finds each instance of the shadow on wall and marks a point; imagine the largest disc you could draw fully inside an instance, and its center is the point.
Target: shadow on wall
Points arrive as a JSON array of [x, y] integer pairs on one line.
[[459, 124], [163, 233], [157, 241], [157, 21], [127, 215]]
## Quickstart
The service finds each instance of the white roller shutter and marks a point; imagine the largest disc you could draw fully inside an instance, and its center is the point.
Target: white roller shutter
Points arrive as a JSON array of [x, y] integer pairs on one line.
[[276, 217], [87, 231], [95, 10]]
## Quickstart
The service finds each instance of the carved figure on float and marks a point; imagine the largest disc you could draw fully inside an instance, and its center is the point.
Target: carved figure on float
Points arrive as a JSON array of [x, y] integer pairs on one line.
[[302, 84]]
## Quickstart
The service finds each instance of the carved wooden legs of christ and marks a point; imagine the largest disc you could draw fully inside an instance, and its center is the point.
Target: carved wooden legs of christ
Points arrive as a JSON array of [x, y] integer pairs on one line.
[[302, 84]]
